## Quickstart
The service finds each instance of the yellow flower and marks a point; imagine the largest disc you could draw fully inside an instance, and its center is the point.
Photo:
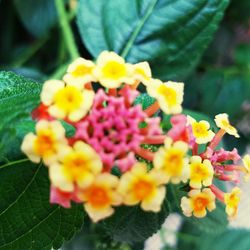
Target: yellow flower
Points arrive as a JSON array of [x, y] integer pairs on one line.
[[66, 100], [80, 72], [168, 94], [198, 202], [200, 172], [78, 165], [111, 70], [222, 122], [246, 164], [140, 186], [232, 201], [172, 160], [101, 196], [201, 130], [46, 144], [140, 72]]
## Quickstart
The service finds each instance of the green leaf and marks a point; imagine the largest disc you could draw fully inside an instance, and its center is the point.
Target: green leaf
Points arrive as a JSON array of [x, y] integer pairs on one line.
[[131, 224], [170, 34], [215, 222], [145, 100], [174, 195], [37, 16], [30, 73], [231, 239], [94, 236], [242, 55], [234, 239], [27, 220], [219, 92], [18, 97]]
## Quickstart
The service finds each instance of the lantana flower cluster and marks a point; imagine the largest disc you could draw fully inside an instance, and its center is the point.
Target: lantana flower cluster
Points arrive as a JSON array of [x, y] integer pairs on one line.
[[99, 164]]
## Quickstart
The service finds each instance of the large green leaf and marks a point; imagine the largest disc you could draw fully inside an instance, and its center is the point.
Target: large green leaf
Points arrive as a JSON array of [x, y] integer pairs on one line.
[[18, 97], [131, 224], [215, 221], [231, 239], [191, 237], [27, 220], [37, 16], [170, 34], [218, 92]]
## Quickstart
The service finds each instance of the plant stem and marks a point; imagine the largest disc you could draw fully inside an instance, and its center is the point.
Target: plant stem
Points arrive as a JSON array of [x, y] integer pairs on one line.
[[13, 162], [66, 29], [60, 71]]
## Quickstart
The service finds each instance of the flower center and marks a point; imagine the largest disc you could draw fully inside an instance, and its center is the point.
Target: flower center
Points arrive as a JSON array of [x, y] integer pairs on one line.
[[200, 203], [199, 129], [68, 98], [44, 144], [169, 94], [174, 162], [233, 200], [99, 197], [75, 165], [143, 189], [198, 171], [81, 70], [114, 70]]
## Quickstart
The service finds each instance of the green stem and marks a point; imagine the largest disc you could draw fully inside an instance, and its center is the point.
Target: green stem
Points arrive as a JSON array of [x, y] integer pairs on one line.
[[66, 29], [60, 71], [137, 30], [13, 163]]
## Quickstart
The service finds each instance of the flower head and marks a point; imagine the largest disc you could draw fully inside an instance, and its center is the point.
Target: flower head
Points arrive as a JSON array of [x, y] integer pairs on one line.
[[66, 101], [111, 70], [222, 122], [168, 94], [140, 186], [113, 132], [246, 164], [201, 172], [172, 160], [80, 72], [232, 201], [201, 130], [112, 128], [77, 165], [100, 196], [46, 144], [198, 203]]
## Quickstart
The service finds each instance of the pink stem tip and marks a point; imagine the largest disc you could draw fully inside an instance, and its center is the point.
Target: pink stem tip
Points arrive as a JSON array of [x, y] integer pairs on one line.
[[156, 139], [144, 153], [217, 192], [151, 110]]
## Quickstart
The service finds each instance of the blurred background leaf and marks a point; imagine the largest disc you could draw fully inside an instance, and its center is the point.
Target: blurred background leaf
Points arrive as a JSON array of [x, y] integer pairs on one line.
[[38, 16]]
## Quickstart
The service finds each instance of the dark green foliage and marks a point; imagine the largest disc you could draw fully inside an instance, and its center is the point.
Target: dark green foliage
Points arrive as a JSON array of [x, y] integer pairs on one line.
[[132, 224], [192, 238], [27, 220], [38, 16], [170, 35], [18, 97]]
